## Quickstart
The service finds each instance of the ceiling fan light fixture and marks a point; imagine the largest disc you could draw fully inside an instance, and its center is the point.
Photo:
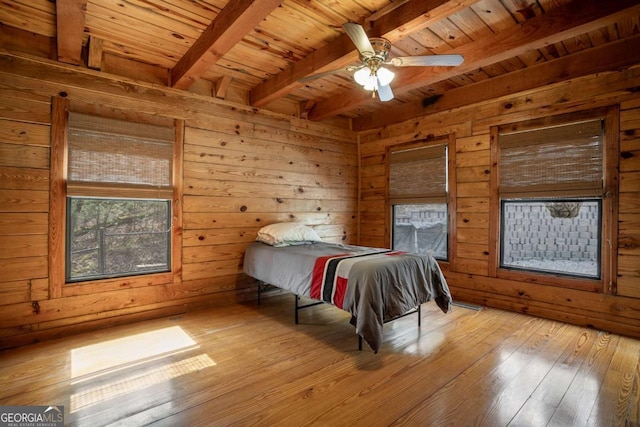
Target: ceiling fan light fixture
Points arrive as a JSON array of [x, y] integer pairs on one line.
[[371, 85], [364, 77], [370, 79]]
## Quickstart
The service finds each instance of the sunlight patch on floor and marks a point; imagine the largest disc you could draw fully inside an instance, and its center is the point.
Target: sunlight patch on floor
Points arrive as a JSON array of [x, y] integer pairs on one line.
[[152, 377], [97, 359]]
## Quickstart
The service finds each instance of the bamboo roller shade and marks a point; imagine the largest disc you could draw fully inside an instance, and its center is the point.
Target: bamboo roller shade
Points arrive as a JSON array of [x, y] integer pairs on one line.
[[418, 175], [115, 158], [558, 161]]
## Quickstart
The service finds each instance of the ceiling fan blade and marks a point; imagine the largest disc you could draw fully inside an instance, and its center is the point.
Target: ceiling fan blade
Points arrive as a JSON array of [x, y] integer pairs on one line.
[[359, 38], [428, 60], [384, 92]]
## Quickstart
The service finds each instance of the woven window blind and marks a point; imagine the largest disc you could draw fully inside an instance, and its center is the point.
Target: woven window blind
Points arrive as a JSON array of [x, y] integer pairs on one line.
[[115, 158], [561, 161], [418, 175]]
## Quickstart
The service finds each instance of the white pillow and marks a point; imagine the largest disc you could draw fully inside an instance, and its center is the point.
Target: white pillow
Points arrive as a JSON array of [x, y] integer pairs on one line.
[[287, 234]]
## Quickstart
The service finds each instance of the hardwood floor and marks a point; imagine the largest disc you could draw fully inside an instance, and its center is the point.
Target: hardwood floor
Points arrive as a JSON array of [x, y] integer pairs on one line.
[[251, 365]]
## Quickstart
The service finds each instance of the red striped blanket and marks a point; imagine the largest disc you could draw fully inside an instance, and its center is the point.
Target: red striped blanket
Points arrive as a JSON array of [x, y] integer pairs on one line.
[[331, 275]]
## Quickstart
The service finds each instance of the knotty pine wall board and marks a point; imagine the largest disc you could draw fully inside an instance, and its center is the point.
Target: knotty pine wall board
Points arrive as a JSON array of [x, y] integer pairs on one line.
[[468, 270], [242, 169]]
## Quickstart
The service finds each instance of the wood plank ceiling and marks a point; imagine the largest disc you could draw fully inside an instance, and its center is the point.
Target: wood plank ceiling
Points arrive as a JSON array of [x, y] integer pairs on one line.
[[259, 50]]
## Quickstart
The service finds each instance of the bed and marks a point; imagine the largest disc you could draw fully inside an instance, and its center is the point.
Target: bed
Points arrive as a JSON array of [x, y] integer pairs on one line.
[[374, 285]]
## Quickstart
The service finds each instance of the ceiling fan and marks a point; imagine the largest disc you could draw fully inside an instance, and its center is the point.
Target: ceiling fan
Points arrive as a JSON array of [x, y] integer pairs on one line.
[[374, 55]]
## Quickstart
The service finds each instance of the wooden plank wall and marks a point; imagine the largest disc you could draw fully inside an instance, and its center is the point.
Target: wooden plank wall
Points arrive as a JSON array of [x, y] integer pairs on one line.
[[243, 169], [468, 269]]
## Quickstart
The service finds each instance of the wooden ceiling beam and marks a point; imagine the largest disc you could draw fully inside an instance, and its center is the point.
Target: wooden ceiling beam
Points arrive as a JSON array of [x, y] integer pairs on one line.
[[617, 55], [221, 87], [233, 23], [95, 53], [400, 22], [70, 18], [571, 20], [415, 16]]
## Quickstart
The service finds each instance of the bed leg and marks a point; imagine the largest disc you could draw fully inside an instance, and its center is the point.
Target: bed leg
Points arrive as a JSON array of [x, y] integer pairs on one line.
[[297, 298], [419, 316], [259, 292], [360, 342]]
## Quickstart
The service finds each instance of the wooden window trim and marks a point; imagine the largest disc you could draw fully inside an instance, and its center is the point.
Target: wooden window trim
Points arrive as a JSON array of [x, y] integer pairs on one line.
[[609, 230], [57, 210]]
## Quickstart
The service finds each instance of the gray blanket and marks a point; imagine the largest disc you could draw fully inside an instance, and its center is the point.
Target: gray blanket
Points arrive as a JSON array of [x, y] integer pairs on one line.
[[376, 288]]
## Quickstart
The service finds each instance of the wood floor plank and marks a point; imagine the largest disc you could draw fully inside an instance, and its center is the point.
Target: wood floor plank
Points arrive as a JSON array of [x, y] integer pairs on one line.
[[267, 346], [538, 355], [257, 402], [249, 364], [618, 383], [552, 389], [367, 385], [633, 415], [583, 392], [516, 366], [549, 393]]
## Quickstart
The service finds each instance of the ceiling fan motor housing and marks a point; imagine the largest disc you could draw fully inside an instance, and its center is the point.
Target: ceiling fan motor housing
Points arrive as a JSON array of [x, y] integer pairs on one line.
[[381, 47]]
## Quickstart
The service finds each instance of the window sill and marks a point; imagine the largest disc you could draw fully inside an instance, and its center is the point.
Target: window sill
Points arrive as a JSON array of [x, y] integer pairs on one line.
[[107, 285], [552, 279]]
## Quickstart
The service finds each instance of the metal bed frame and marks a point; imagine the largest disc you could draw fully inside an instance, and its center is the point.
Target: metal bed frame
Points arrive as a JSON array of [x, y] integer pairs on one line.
[[298, 307]]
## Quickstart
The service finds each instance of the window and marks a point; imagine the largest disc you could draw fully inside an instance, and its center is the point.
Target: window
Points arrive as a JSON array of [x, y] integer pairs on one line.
[[117, 237], [553, 236], [552, 176], [119, 190], [418, 198]]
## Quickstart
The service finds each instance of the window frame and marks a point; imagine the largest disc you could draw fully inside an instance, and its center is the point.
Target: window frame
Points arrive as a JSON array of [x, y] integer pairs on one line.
[[609, 207], [58, 286], [449, 141]]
